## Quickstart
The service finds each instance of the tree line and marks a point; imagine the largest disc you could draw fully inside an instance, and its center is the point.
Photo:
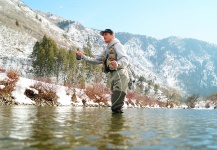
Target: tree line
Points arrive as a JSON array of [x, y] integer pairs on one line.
[[49, 61]]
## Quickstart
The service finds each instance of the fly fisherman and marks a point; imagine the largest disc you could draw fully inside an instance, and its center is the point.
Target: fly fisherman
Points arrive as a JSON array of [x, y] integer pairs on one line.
[[115, 61]]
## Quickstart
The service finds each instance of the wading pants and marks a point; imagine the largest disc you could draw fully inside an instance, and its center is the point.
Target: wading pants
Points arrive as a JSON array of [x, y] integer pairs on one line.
[[119, 85]]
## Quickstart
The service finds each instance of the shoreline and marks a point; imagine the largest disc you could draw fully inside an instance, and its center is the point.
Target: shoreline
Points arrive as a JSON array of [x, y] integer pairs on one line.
[[96, 105]]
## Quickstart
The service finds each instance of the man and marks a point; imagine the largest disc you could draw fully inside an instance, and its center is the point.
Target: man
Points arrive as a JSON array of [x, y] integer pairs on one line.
[[115, 61]]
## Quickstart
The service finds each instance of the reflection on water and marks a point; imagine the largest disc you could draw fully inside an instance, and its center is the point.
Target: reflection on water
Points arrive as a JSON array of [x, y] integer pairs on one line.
[[31, 127]]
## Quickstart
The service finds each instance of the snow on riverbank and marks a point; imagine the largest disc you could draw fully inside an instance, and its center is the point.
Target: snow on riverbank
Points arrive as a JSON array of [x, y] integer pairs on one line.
[[65, 97], [19, 90]]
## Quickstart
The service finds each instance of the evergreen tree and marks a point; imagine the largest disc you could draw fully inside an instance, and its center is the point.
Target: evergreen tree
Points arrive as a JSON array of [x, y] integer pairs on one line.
[[89, 67], [43, 57], [72, 67], [59, 59], [156, 87], [17, 23]]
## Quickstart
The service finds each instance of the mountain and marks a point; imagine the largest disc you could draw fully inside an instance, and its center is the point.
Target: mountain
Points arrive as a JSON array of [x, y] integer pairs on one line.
[[20, 28], [188, 65]]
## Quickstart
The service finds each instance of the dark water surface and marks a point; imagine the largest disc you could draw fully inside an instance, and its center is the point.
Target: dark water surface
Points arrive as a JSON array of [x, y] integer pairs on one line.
[[56, 128]]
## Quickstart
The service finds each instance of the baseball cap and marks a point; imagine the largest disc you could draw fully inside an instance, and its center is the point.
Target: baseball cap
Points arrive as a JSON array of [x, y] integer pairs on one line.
[[106, 31]]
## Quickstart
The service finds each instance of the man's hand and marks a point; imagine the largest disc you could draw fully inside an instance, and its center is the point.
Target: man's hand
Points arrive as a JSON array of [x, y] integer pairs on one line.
[[114, 64], [79, 53]]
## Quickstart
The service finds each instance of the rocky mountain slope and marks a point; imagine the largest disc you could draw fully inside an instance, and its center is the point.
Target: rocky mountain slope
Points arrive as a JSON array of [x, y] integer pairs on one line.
[[187, 64]]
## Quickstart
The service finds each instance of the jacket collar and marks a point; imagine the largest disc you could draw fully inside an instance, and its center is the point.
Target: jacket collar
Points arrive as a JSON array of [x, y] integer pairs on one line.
[[114, 41]]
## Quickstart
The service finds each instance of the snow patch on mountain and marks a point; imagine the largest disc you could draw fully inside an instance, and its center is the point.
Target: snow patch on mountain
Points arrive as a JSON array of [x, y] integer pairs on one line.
[[133, 48], [81, 36], [14, 43]]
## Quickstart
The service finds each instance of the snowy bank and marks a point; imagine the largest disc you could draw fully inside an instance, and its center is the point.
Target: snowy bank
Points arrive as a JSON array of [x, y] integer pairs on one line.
[[26, 90]]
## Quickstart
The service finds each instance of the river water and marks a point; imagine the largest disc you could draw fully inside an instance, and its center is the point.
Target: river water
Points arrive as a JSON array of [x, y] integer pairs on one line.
[[56, 128]]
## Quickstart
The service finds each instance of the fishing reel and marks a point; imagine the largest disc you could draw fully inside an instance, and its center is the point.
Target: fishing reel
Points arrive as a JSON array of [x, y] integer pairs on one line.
[[78, 57]]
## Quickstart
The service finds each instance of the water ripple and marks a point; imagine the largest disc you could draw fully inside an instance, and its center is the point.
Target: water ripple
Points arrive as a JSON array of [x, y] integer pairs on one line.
[[30, 127]]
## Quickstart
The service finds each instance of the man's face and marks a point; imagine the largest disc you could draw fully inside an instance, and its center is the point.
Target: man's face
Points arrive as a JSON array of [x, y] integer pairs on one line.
[[108, 37]]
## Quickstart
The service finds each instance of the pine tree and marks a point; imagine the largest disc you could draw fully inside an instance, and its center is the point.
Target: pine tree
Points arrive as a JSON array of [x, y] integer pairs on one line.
[[73, 69], [58, 67], [156, 87], [17, 23], [44, 57], [89, 67], [38, 63]]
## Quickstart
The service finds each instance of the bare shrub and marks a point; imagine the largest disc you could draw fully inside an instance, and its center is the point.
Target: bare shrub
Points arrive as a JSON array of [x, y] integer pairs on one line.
[[10, 82], [97, 92], [191, 100], [13, 74], [46, 94], [143, 100], [2, 70], [207, 105], [130, 95], [163, 104], [212, 97], [172, 103]]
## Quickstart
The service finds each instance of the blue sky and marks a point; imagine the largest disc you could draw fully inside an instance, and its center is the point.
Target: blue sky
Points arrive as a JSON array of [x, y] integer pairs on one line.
[[156, 18]]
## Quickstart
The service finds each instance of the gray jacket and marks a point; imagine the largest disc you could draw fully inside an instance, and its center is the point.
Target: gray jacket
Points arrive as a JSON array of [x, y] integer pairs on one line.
[[122, 58]]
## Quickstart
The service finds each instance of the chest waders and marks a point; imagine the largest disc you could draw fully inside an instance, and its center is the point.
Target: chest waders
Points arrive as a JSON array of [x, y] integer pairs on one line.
[[119, 80]]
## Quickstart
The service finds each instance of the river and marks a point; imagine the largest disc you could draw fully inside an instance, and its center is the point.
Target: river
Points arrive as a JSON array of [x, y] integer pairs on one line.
[[66, 127]]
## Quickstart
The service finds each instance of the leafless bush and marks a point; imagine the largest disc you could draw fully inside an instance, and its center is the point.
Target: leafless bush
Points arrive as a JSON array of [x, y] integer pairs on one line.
[[46, 94], [130, 95], [143, 100], [2, 70], [207, 105], [191, 100], [9, 83], [212, 97], [172, 103], [13, 74], [97, 92]]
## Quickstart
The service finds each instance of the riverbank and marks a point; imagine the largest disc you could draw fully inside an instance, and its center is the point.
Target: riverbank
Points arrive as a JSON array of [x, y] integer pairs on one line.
[[16, 90]]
